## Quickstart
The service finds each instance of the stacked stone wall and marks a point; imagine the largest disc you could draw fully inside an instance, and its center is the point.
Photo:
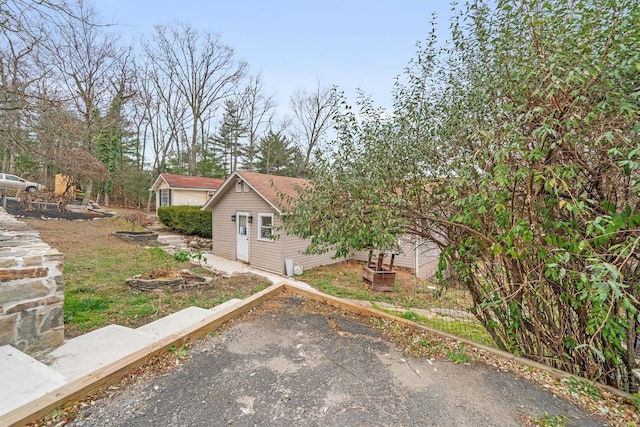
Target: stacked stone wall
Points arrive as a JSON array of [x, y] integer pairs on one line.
[[31, 289]]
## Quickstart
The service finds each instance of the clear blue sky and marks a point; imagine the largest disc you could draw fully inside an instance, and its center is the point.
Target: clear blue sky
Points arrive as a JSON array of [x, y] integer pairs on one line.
[[349, 43]]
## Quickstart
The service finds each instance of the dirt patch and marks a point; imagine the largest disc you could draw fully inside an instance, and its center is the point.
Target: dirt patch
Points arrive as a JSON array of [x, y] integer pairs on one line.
[[168, 280], [50, 211], [344, 279]]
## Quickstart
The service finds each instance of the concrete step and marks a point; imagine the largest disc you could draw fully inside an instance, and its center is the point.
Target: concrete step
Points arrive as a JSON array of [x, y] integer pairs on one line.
[[24, 378], [226, 304], [171, 239], [175, 244], [174, 322], [84, 354], [171, 236]]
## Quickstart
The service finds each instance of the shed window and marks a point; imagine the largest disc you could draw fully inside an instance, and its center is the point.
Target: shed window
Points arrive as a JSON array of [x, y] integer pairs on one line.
[[265, 227], [165, 197]]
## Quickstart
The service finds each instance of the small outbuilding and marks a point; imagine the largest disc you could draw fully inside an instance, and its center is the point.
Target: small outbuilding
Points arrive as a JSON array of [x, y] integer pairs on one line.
[[184, 190], [246, 217]]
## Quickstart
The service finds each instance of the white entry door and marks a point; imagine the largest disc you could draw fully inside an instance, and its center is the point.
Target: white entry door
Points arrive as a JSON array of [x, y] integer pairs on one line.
[[242, 236]]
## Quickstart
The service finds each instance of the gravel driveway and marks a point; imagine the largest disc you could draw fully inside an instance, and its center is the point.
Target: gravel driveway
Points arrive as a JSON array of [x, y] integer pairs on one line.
[[289, 367]]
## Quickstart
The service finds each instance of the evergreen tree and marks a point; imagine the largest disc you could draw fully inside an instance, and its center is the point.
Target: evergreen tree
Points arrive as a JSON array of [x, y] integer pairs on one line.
[[111, 145], [211, 161], [277, 155], [228, 139]]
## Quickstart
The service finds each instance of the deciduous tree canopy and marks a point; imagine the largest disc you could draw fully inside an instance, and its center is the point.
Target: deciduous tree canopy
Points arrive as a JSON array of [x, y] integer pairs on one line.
[[516, 148]]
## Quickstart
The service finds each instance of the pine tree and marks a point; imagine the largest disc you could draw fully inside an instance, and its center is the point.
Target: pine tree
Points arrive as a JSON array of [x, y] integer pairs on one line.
[[228, 140], [277, 155]]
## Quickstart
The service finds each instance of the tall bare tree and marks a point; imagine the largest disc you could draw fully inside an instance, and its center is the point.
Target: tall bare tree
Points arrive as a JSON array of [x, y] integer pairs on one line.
[[162, 114], [203, 72], [25, 94], [16, 69], [22, 31], [313, 112], [88, 63], [256, 110], [25, 16]]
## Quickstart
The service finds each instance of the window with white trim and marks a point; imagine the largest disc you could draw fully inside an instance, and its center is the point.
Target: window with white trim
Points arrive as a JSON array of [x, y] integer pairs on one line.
[[265, 227]]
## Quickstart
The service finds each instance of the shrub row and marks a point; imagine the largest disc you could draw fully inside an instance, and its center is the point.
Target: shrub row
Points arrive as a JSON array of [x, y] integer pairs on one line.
[[186, 219]]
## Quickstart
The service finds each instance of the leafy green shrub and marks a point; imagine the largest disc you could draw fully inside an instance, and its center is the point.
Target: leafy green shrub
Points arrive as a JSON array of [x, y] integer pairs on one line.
[[166, 215], [189, 220], [184, 256]]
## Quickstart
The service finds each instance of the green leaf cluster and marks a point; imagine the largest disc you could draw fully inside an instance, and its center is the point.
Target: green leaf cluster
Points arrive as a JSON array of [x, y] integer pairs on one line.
[[515, 148], [545, 225]]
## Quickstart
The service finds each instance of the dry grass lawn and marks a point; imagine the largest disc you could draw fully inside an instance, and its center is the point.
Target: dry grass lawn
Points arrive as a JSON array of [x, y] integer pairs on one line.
[[96, 265]]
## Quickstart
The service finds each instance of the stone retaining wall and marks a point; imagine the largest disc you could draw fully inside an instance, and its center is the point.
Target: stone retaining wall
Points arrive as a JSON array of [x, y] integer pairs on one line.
[[31, 289], [140, 237], [198, 243]]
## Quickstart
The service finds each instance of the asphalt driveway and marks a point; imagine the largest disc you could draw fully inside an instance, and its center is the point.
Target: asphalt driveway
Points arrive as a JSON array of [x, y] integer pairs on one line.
[[287, 366]]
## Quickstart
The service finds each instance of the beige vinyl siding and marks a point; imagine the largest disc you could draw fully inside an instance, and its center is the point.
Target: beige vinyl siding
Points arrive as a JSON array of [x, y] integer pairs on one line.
[[267, 255], [189, 197], [186, 197], [405, 259], [407, 256], [262, 254], [295, 246], [223, 241], [428, 257]]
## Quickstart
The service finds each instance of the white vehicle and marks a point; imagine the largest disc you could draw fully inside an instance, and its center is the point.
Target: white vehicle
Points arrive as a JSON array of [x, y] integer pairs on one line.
[[13, 182]]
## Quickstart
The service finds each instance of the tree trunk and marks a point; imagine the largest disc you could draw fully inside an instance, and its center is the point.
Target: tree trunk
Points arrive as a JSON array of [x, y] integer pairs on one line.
[[149, 201], [88, 189]]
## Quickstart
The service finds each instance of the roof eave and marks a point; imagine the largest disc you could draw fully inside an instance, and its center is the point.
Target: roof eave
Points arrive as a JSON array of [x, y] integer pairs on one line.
[[208, 206], [277, 209], [224, 188], [156, 182]]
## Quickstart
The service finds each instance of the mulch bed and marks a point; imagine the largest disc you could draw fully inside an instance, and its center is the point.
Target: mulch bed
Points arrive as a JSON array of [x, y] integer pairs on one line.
[[50, 211]]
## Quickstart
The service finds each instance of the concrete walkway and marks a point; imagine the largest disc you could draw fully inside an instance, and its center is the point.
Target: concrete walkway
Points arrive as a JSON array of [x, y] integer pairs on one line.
[[236, 267], [172, 241]]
